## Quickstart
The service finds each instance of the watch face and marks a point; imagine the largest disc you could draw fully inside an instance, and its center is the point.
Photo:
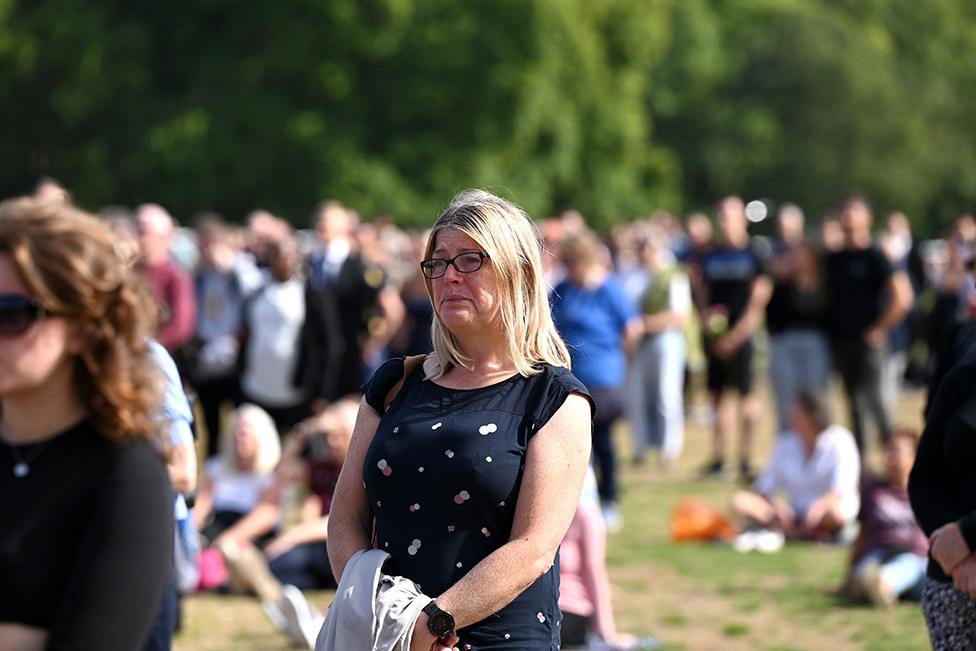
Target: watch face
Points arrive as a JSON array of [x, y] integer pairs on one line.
[[441, 623]]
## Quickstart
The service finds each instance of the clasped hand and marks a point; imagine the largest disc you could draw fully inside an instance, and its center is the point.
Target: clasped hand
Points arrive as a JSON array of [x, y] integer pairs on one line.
[[950, 551]]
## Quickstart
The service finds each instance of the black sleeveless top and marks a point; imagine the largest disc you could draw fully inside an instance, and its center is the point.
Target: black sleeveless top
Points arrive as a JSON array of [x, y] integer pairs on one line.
[[442, 476]]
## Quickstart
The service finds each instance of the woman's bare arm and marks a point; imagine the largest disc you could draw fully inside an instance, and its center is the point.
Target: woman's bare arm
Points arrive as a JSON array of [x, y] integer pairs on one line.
[[351, 518]]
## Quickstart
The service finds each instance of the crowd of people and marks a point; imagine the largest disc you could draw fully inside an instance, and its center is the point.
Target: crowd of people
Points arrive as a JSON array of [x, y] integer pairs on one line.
[[277, 333]]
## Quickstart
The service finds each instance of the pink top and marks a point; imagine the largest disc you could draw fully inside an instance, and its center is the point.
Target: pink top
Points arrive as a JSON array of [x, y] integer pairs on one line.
[[584, 588]]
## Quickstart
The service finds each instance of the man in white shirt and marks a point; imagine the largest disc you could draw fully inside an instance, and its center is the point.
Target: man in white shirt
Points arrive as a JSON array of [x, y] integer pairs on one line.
[[817, 466]]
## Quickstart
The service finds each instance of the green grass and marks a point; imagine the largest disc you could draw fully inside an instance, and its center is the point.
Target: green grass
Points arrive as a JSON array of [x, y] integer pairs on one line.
[[694, 596]]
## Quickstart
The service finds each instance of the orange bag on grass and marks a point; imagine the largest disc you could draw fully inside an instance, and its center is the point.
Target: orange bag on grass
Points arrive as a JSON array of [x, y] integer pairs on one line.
[[694, 519]]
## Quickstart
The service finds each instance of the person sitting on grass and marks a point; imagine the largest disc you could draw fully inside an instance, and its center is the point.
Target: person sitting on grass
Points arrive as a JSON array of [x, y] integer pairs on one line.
[[236, 479], [295, 559], [817, 466], [891, 552]]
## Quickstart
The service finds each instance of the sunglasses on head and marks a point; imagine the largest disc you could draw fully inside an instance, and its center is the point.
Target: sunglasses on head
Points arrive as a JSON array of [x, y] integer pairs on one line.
[[18, 313]]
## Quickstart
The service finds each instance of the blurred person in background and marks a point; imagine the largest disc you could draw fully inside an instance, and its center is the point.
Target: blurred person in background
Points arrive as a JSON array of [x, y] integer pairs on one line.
[[950, 312], [698, 238], [169, 283], [413, 337], [49, 188], [831, 233], [799, 354], [595, 318], [736, 289], [370, 310], [890, 553], [553, 232], [898, 245], [292, 341], [225, 279], [817, 466], [89, 540], [264, 230], [866, 299], [584, 586], [234, 481], [296, 558], [656, 405]]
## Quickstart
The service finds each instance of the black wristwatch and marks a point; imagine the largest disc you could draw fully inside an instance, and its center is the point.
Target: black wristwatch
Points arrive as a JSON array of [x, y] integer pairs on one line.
[[439, 622]]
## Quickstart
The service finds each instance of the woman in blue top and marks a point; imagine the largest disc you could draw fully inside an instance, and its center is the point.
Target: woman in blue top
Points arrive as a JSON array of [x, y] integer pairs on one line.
[[595, 317], [472, 473]]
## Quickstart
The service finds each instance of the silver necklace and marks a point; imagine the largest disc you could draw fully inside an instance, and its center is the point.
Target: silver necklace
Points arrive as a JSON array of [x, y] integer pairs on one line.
[[22, 463]]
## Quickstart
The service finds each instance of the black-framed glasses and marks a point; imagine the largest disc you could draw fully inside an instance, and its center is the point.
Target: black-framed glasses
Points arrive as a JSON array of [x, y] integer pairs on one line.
[[18, 313], [464, 262]]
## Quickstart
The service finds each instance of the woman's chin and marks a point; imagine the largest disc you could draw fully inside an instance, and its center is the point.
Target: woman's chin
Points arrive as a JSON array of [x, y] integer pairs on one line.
[[456, 319]]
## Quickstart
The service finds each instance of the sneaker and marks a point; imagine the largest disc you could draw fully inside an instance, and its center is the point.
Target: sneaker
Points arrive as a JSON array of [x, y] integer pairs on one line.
[[769, 541], [715, 468], [612, 517], [273, 611], [878, 591], [745, 542], [302, 623]]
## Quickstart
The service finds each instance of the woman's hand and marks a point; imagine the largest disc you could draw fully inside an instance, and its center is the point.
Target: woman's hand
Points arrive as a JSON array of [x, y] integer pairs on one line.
[[949, 548], [424, 640], [964, 576]]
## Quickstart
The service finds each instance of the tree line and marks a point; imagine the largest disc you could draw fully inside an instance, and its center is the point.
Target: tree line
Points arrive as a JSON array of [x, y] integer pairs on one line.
[[615, 107]]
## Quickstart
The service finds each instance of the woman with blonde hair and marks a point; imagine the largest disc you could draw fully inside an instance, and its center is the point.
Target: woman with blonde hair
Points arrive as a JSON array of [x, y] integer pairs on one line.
[[235, 480], [470, 465], [85, 503]]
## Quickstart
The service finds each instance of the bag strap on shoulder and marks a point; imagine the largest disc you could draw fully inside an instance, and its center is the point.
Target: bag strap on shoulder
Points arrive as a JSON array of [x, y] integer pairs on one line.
[[410, 365]]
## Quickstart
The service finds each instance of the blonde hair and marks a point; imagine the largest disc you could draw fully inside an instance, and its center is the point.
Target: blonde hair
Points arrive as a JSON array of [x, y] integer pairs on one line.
[[71, 264], [265, 436], [514, 248]]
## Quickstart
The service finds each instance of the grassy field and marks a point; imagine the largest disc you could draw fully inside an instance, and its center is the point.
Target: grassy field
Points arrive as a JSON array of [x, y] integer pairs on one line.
[[692, 596]]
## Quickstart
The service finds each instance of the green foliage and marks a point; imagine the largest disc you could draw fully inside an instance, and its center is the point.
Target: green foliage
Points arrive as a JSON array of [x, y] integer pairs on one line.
[[613, 106]]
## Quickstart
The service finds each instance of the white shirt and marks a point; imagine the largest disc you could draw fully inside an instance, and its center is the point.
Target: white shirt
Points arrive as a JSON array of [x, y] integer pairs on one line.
[[275, 319], [235, 491], [834, 465]]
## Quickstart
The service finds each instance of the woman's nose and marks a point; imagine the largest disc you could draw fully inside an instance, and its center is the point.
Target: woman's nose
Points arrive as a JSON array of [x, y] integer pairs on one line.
[[452, 275]]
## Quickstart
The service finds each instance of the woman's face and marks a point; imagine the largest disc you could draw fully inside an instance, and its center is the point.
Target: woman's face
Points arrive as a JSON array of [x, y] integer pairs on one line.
[[29, 358], [463, 301], [245, 443]]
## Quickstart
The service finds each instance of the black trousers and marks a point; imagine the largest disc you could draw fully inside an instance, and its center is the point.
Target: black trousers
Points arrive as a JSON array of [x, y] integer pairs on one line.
[[609, 407], [860, 367], [213, 395]]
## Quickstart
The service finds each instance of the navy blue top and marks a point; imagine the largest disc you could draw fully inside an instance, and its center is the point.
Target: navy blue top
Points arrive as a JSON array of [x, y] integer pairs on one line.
[[592, 322], [728, 273], [442, 476]]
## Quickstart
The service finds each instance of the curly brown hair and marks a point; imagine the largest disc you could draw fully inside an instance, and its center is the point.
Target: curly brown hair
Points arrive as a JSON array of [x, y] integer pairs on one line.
[[71, 263]]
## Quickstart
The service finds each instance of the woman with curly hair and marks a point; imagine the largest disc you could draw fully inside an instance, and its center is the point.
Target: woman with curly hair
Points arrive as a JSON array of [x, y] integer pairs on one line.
[[86, 508]]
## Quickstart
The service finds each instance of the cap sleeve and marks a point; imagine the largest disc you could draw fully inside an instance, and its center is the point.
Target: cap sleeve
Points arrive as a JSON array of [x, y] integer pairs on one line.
[[559, 384], [383, 380]]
